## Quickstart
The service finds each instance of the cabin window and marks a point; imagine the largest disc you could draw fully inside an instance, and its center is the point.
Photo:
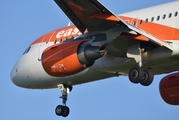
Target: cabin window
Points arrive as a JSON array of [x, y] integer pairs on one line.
[[27, 50], [61, 40], [55, 41], [170, 15], [134, 23], [176, 13], [147, 20], [158, 18], [140, 21], [164, 16], [152, 19]]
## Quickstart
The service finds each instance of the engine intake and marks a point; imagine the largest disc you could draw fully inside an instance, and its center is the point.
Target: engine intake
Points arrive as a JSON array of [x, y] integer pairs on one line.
[[169, 89], [70, 57]]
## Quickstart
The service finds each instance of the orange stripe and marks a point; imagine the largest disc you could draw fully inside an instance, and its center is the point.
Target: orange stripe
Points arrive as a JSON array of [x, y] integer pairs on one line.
[[160, 31]]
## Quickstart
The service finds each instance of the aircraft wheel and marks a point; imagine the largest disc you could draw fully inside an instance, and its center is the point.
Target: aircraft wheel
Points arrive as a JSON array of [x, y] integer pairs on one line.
[[59, 110], [148, 77], [136, 74], [66, 111], [62, 111]]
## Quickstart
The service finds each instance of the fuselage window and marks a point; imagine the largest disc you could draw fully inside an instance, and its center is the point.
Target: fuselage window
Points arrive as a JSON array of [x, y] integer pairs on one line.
[[55, 41], [140, 21], [176, 13], [147, 20], [170, 15], [134, 23], [158, 18], [61, 40], [164, 16], [152, 19]]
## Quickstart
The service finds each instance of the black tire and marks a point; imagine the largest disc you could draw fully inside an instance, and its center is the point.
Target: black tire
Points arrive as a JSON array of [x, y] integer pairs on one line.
[[59, 110], [148, 78], [136, 74], [66, 111]]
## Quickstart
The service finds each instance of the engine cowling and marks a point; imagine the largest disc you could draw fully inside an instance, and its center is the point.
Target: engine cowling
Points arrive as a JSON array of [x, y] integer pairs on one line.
[[69, 57], [169, 89]]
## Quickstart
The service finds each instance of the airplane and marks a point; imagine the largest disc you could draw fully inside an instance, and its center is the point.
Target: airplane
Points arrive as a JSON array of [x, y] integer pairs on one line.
[[139, 44]]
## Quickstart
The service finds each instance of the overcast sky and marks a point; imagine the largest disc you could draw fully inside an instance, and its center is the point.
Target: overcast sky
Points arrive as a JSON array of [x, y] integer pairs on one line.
[[23, 21]]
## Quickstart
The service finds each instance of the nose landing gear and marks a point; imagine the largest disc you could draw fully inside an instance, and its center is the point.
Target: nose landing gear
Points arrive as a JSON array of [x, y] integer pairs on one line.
[[63, 110]]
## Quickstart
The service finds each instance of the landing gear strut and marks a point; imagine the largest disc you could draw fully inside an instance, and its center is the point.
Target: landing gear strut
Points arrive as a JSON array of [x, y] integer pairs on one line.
[[63, 110], [141, 75]]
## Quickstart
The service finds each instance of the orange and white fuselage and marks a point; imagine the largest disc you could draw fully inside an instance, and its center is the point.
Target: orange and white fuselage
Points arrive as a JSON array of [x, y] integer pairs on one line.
[[59, 57], [158, 21]]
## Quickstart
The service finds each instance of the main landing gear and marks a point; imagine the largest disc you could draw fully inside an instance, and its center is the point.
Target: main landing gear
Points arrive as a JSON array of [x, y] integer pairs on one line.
[[141, 75], [63, 110]]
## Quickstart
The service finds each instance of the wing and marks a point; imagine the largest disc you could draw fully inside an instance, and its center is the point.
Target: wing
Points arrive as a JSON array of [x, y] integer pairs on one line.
[[88, 14], [92, 15]]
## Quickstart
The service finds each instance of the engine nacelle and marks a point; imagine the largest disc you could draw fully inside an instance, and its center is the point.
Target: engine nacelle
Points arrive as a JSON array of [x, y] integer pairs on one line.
[[69, 57], [169, 89]]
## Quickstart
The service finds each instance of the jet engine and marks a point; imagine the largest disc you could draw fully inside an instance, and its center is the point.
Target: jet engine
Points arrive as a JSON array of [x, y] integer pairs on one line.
[[70, 57], [169, 89]]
